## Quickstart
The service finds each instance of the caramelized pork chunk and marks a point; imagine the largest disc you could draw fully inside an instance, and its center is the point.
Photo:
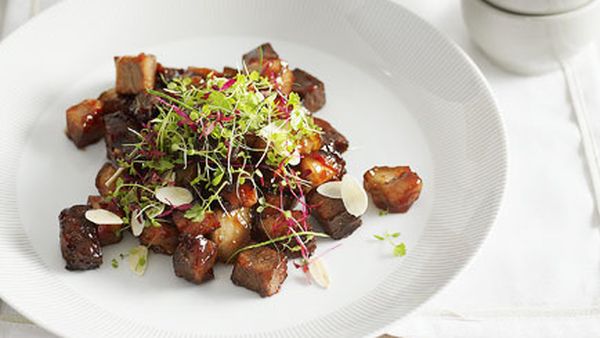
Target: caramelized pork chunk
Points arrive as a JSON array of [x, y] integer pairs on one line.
[[321, 166], [135, 74], [234, 232], [266, 61], [143, 107], [229, 72], [79, 241], [164, 75], [274, 225], [310, 89], [206, 226], [239, 196], [105, 180], [107, 233], [332, 216], [84, 122], [162, 239], [393, 189], [194, 258], [262, 270], [118, 137], [113, 102], [332, 139]]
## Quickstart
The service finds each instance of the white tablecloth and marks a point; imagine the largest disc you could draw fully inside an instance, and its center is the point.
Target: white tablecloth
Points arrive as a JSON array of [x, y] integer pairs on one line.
[[538, 274]]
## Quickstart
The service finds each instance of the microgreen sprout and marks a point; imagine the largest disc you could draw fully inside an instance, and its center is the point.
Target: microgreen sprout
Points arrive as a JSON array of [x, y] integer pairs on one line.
[[399, 249], [214, 133]]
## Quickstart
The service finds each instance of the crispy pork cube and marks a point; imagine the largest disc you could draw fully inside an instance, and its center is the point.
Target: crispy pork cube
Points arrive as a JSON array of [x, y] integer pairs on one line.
[[118, 137], [79, 241], [135, 74], [164, 75], [393, 189], [264, 52], [143, 107], [321, 166], [107, 233], [183, 176], [266, 61], [233, 234], [281, 200], [262, 270], [239, 196], [310, 144], [275, 225], [310, 89], [104, 184], [229, 72], [194, 258], [112, 102], [332, 139], [332, 215], [162, 239], [206, 226], [84, 122]]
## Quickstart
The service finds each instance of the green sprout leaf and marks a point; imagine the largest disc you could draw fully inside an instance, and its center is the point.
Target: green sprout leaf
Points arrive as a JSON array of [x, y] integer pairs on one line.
[[400, 250]]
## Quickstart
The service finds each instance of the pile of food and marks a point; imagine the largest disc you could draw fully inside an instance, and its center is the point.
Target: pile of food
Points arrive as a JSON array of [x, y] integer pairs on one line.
[[223, 166]]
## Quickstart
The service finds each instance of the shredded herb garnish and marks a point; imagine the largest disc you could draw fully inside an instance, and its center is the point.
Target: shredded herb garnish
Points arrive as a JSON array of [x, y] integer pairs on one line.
[[218, 133]]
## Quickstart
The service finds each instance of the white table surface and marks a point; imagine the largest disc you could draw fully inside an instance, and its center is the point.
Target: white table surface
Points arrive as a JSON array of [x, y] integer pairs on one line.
[[538, 273]]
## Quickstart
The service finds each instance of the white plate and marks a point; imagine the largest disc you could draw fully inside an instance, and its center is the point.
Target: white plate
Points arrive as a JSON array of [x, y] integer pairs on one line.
[[400, 91]]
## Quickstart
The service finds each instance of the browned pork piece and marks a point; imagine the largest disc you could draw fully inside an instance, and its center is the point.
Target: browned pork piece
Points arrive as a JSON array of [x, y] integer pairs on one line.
[[79, 241], [332, 139], [107, 233], [239, 196], [270, 225], [118, 137], [322, 166], [135, 74], [84, 122], [105, 174], [207, 225], [113, 102], [234, 232], [310, 89], [260, 269], [194, 258], [229, 72], [393, 189], [266, 61], [162, 239], [143, 107], [164, 75], [332, 215], [274, 225]]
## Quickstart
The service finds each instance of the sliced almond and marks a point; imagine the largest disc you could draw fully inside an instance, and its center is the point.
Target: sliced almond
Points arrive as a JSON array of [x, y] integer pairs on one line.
[[294, 158], [331, 189], [318, 273], [354, 196], [137, 222], [138, 259], [103, 217], [174, 196]]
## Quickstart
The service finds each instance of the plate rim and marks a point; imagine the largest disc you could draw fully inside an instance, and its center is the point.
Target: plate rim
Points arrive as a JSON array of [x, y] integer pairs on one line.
[[494, 210]]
